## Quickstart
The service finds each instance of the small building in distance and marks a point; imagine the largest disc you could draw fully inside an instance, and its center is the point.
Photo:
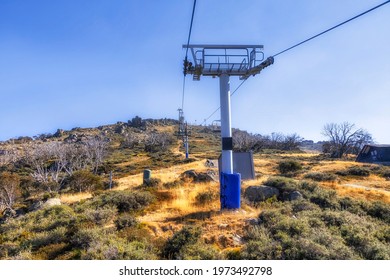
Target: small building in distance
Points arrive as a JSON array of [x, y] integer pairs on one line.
[[379, 154]]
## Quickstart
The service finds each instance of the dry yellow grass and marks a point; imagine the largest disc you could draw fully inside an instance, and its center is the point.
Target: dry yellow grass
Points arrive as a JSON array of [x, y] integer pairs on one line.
[[219, 227], [129, 182], [360, 192], [178, 205], [72, 198], [372, 188], [134, 160], [265, 166], [331, 166]]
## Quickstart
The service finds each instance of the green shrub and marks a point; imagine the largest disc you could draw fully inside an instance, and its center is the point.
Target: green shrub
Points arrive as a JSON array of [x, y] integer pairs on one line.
[[321, 177], [271, 217], [303, 205], [22, 255], [175, 245], [51, 251], [293, 227], [113, 248], [84, 180], [233, 254], [124, 221], [84, 237], [141, 234], [305, 249], [282, 183], [333, 218], [151, 183], [9, 249], [124, 201], [289, 166], [355, 171], [200, 251], [206, 197], [325, 199], [309, 187], [262, 250], [131, 201], [364, 243], [101, 216], [352, 205], [379, 210], [50, 218], [41, 239], [383, 234], [173, 184], [385, 173]]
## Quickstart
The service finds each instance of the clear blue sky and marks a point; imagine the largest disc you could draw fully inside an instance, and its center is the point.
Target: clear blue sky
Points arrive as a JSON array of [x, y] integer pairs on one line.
[[85, 63]]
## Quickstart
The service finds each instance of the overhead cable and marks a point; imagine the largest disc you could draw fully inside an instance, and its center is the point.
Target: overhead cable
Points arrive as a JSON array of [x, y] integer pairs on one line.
[[304, 41], [185, 59], [334, 27]]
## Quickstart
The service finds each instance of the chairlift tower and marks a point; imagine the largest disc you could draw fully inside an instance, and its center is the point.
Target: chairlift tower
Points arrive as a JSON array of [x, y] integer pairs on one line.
[[183, 131], [224, 61], [180, 131]]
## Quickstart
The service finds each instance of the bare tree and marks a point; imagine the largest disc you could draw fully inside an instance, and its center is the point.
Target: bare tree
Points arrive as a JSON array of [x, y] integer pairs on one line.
[[291, 142], [242, 141], [131, 140], [156, 141], [8, 156], [344, 138], [9, 184], [75, 158], [95, 150], [38, 157]]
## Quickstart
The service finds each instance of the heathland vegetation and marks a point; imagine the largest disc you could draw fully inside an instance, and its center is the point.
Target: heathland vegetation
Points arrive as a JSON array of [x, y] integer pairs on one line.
[[79, 194]]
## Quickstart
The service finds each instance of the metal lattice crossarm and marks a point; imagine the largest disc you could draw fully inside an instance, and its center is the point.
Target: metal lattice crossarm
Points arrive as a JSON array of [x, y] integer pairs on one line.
[[233, 60]]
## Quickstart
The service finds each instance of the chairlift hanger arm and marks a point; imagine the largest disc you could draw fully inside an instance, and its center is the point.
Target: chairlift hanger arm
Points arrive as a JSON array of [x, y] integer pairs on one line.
[[234, 60], [256, 70]]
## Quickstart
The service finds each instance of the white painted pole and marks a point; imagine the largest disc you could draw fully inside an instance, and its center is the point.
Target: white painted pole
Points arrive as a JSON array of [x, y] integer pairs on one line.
[[226, 128]]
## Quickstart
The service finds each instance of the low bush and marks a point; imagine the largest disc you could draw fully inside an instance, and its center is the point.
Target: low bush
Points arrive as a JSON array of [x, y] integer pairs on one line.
[[50, 218], [303, 205], [379, 210], [289, 166], [173, 184], [203, 198], [124, 221], [174, 247], [282, 183], [355, 171], [200, 251], [152, 183], [101, 216], [9, 249], [97, 244], [84, 237], [84, 180], [46, 238], [124, 201], [262, 250], [313, 233], [364, 243], [321, 177], [325, 199]]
